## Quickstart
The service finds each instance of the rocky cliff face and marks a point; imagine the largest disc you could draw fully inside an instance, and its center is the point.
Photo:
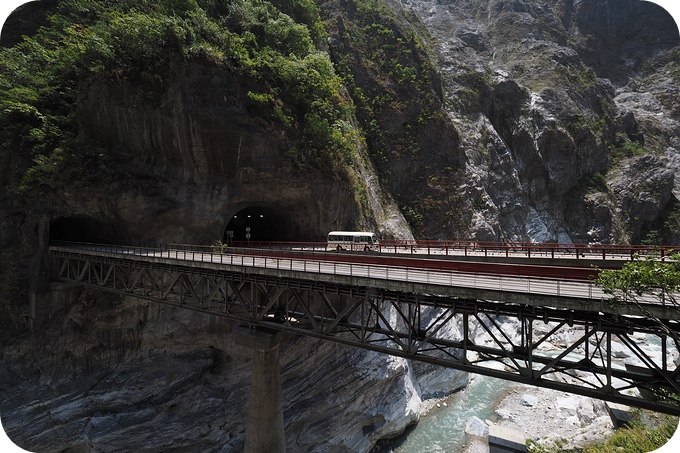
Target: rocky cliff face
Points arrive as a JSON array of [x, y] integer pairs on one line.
[[553, 101], [107, 373], [197, 155], [123, 374], [548, 120]]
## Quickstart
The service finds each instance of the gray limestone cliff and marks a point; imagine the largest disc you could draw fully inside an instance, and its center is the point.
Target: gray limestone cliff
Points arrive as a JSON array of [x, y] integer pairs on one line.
[[111, 373], [521, 120], [553, 101]]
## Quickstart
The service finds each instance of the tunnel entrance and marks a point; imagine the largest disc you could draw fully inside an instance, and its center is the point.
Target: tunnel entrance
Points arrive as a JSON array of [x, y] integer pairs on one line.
[[262, 223], [81, 229]]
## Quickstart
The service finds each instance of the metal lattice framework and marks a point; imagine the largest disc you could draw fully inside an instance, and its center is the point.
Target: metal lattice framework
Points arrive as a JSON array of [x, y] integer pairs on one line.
[[505, 340]]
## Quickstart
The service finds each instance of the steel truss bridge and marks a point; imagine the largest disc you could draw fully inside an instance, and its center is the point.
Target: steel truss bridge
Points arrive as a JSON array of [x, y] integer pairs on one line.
[[493, 320]]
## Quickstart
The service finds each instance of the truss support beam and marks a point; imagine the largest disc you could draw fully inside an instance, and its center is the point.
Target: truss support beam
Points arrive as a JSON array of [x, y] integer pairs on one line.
[[560, 348]]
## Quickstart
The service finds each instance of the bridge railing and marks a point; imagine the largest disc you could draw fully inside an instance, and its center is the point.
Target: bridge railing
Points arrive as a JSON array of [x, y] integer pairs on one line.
[[553, 280], [475, 248], [568, 281], [453, 248], [228, 255]]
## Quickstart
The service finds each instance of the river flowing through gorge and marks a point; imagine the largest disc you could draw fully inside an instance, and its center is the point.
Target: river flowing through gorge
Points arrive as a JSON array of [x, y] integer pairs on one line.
[[543, 415], [443, 428]]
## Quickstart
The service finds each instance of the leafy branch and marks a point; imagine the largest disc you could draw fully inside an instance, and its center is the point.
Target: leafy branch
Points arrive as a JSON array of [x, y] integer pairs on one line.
[[642, 279]]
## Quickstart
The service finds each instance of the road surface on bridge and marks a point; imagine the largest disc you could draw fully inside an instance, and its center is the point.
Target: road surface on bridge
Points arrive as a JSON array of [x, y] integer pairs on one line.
[[564, 291], [325, 263]]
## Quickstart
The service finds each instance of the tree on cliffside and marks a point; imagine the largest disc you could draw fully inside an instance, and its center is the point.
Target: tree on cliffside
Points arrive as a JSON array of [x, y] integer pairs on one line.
[[289, 83], [644, 279]]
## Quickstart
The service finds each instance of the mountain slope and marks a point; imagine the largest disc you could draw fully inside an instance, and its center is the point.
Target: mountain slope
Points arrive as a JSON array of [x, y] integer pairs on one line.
[[541, 120]]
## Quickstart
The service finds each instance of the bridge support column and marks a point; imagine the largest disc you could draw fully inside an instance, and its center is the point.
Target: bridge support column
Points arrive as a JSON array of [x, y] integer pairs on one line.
[[264, 429]]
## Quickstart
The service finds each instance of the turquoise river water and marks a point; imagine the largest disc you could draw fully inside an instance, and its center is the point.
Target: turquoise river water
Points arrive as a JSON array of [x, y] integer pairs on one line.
[[442, 430]]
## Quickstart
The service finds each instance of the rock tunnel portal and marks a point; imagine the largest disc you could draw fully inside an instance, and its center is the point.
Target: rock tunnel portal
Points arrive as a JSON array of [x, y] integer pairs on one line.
[[82, 229], [261, 223]]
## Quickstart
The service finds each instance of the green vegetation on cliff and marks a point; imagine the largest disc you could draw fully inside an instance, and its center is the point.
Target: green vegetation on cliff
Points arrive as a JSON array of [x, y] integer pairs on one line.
[[144, 43], [386, 66], [384, 55]]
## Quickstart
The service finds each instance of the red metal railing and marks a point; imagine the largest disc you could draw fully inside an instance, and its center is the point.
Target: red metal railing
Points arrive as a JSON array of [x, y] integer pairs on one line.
[[474, 248], [411, 260]]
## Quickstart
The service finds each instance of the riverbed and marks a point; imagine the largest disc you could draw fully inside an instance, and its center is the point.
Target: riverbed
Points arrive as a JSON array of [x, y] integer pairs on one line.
[[442, 429], [544, 415]]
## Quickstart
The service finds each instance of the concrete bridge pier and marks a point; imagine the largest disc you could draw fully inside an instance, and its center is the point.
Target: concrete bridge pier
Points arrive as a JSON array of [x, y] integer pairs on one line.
[[264, 428]]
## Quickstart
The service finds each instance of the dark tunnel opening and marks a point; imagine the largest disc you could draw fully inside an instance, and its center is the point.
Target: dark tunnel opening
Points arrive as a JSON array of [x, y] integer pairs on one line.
[[81, 229], [261, 223]]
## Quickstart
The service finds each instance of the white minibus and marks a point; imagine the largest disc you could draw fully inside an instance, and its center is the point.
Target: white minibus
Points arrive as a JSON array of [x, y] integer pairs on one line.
[[351, 240]]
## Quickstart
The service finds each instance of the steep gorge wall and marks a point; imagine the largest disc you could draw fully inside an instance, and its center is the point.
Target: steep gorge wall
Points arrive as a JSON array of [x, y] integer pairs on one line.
[[530, 120], [108, 373], [551, 100], [84, 371], [197, 154]]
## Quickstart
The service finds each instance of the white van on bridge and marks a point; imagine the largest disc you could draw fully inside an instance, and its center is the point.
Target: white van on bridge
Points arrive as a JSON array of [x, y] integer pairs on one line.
[[352, 240]]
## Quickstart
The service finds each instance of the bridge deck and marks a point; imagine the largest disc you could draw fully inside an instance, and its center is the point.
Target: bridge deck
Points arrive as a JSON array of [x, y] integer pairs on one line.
[[527, 283], [432, 310]]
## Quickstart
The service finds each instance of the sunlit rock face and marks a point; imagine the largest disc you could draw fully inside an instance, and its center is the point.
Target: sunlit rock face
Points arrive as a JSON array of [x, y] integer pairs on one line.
[[561, 124], [551, 100]]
